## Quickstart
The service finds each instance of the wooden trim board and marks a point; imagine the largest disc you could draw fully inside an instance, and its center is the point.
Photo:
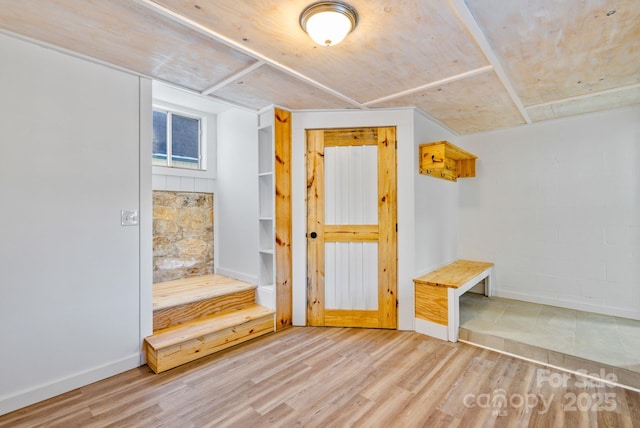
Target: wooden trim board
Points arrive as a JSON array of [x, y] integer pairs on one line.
[[351, 233], [388, 225], [283, 208]]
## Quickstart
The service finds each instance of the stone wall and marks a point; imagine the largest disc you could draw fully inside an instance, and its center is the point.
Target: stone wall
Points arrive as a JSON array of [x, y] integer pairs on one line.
[[182, 235]]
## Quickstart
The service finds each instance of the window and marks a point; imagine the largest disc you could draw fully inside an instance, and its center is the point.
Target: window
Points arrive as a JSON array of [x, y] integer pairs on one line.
[[176, 140]]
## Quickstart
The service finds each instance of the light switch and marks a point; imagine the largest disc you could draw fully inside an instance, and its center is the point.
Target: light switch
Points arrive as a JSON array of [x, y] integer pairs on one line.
[[129, 217]]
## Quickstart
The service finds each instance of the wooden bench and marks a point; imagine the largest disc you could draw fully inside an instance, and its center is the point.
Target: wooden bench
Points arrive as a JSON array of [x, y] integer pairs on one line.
[[437, 294]]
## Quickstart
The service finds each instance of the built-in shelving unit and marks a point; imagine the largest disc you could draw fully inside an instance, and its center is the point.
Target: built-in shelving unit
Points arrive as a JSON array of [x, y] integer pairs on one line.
[[266, 214], [274, 216], [441, 159]]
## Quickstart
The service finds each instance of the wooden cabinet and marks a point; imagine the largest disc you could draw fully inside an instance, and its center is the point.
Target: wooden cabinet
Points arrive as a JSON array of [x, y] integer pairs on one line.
[[443, 160], [274, 216]]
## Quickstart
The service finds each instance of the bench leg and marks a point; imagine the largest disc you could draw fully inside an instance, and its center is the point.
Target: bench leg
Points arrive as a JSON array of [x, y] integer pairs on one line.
[[453, 314], [488, 286]]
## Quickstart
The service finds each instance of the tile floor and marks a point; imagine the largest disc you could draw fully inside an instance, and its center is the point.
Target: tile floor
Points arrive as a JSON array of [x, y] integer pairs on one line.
[[551, 334]]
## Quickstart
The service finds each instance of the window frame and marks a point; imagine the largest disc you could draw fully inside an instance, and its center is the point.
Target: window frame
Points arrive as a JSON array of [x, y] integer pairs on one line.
[[202, 136]]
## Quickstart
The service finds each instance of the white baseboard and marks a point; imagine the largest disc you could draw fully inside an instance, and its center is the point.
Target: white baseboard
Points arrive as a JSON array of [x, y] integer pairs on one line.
[[265, 296], [237, 275], [432, 329], [569, 304], [9, 403]]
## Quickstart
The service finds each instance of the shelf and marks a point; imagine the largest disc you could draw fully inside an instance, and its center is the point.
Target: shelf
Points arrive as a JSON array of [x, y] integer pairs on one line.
[[266, 118], [266, 196], [265, 251], [443, 160], [267, 268], [265, 150], [265, 174]]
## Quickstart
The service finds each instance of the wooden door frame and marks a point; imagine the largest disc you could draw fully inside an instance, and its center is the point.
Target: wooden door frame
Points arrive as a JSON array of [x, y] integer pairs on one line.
[[385, 139]]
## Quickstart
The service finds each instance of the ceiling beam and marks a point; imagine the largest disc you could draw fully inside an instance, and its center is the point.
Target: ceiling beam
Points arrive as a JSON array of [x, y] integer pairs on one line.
[[176, 17], [461, 9], [440, 82], [232, 78], [584, 96]]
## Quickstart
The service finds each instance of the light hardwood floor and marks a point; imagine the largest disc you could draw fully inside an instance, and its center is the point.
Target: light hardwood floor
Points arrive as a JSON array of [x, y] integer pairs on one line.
[[321, 377]]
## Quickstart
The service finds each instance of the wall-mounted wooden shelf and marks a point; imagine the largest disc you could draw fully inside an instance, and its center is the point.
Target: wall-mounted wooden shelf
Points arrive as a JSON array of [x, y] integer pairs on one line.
[[443, 160]]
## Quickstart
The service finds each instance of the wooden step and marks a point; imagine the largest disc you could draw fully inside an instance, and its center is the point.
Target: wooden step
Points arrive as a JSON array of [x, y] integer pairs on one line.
[[177, 345], [179, 301]]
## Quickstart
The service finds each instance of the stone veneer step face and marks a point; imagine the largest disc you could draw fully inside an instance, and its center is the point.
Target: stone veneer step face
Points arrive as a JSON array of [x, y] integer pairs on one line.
[[182, 235]]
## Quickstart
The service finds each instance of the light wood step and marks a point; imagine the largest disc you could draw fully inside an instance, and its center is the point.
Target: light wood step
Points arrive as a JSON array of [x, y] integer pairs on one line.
[[179, 301], [180, 291], [177, 345]]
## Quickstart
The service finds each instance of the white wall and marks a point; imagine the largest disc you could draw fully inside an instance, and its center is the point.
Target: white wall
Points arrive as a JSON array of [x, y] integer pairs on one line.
[[556, 206], [403, 120], [436, 205], [70, 287], [236, 199]]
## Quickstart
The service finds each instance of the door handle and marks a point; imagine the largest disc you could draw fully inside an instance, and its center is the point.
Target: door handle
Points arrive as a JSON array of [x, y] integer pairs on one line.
[[313, 235]]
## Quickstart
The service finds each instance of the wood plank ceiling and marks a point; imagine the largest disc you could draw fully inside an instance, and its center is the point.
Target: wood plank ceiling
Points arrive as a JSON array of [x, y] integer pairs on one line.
[[473, 65]]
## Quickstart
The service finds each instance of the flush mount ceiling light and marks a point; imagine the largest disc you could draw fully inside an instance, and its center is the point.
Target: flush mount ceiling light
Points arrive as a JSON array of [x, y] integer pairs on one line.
[[328, 22]]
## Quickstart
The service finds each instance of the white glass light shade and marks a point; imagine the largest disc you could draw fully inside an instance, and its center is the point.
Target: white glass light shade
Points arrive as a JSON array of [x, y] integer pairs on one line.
[[328, 28], [328, 23]]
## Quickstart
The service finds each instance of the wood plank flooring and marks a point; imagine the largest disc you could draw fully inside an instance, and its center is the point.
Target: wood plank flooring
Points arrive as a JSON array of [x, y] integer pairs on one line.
[[340, 377]]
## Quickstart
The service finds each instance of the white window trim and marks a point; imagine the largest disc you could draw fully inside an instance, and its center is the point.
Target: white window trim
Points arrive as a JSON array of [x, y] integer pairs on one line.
[[205, 141], [202, 159]]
